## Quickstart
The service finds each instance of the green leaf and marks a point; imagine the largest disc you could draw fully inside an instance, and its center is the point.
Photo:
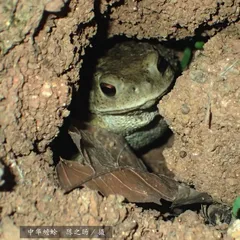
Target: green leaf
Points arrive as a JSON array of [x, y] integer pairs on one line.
[[236, 208], [199, 45], [187, 54]]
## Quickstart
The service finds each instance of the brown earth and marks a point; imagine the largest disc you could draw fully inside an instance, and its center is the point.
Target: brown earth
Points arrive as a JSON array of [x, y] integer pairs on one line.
[[42, 45], [203, 110]]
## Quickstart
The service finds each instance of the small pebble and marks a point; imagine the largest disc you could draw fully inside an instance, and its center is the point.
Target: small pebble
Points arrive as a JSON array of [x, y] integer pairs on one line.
[[182, 154], [185, 108]]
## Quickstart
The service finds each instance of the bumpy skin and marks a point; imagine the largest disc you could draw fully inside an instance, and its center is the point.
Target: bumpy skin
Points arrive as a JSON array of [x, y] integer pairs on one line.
[[128, 82]]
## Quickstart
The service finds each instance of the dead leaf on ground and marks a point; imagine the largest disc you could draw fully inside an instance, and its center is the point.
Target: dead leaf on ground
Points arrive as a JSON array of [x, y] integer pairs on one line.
[[107, 164]]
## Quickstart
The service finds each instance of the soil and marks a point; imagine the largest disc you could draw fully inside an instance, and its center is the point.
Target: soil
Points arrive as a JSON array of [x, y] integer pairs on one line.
[[203, 112], [42, 47]]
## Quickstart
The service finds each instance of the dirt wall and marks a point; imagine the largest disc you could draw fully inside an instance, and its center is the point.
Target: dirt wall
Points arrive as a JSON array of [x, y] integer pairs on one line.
[[42, 45]]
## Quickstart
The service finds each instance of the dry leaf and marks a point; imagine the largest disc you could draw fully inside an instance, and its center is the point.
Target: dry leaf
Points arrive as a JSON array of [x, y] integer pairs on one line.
[[107, 164]]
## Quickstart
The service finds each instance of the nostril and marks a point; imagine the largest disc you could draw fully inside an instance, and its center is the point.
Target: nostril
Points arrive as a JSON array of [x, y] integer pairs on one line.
[[108, 89]]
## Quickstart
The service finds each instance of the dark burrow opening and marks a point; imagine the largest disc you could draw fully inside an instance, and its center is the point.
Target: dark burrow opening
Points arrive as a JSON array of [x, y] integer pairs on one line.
[[63, 145], [79, 106]]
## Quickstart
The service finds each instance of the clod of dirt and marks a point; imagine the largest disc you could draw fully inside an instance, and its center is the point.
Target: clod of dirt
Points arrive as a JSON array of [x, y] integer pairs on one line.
[[208, 132], [171, 19]]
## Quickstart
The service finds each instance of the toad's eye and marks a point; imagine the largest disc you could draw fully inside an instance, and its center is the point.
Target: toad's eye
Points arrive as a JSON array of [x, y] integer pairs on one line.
[[108, 89], [162, 65]]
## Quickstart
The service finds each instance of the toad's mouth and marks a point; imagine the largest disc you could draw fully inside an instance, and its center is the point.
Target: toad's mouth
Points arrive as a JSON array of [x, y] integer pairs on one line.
[[149, 106]]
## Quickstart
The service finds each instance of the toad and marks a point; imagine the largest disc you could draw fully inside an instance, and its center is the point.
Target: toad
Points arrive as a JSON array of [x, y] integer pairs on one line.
[[128, 83]]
